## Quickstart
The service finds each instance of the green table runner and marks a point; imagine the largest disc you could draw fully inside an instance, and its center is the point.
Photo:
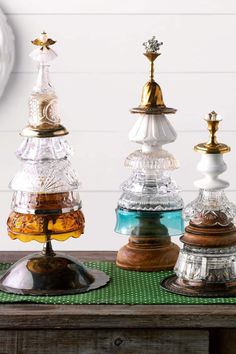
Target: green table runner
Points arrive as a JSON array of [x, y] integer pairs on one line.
[[125, 287]]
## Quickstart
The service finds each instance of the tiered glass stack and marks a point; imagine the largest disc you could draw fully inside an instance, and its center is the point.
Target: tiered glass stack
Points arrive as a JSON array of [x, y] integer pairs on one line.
[[46, 204], [150, 208], [207, 263]]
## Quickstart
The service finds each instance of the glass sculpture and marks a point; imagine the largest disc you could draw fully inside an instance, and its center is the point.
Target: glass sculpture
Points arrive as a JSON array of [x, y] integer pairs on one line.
[[46, 204], [206, 265], [150, 207]]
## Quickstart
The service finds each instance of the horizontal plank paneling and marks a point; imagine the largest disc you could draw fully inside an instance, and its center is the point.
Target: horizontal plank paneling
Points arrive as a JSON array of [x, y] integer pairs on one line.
[[114, 6], [99, 210], [105, 341], [101, 102], [99, 158], [114, 43]]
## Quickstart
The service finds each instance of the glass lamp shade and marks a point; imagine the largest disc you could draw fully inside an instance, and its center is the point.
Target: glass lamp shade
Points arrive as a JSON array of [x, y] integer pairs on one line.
[[152, 129], [149, 223]]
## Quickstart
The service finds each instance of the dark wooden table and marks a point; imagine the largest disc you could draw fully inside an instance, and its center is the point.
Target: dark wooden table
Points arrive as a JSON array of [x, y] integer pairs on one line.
[[132, 329]]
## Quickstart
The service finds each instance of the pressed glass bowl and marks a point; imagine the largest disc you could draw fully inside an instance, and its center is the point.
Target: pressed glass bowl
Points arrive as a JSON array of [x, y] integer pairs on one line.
[[41, 228], [45, 203]]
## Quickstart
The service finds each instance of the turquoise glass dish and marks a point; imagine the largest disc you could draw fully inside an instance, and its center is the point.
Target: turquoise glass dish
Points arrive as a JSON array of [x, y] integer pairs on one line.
[[149, 223]]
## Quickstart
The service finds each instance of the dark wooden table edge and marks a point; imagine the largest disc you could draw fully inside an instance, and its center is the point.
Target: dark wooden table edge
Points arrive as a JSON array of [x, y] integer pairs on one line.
[[40, 316]]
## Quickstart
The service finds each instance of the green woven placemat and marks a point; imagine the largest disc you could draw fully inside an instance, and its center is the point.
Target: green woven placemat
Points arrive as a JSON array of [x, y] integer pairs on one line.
[[125, 287]]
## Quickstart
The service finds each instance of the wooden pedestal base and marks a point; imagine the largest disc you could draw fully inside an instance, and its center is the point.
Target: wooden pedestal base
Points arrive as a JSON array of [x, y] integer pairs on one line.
[[148, 255], [206, 236]]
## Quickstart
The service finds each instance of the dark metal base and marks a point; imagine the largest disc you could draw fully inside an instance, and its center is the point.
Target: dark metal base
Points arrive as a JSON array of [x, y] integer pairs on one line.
[[55, 274], [198, 289]]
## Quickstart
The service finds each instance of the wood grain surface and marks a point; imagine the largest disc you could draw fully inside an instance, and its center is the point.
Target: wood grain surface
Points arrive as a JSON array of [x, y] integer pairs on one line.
[[131, 329]]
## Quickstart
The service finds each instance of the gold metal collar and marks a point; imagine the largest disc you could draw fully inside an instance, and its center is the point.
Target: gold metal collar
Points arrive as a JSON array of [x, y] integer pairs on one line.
[[212, 146]]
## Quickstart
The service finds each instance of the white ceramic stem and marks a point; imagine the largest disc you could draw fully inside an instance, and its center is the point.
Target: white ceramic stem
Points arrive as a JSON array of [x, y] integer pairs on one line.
[[211, 166]]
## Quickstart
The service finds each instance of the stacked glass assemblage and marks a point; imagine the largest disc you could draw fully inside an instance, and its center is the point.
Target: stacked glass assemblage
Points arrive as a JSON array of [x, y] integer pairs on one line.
[[150, 204], [210, 210], [46, 203]]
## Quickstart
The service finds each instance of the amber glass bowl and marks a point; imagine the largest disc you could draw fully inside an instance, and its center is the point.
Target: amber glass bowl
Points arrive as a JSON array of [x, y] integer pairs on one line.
[[41, 228]]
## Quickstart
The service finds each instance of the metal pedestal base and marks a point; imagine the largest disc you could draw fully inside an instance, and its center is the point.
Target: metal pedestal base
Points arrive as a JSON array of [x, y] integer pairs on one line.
[[50, 274], [199, 289]]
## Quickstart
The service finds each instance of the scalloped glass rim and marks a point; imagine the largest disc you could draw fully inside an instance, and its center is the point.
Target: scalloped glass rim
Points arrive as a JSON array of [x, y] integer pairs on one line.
[[156, 160], [210, 201]]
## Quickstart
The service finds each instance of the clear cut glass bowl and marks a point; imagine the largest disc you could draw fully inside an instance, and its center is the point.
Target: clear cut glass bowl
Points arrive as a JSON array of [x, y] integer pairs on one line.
[[45, 176], [209, 204], [44, 149], [217, 265], [150, 191]]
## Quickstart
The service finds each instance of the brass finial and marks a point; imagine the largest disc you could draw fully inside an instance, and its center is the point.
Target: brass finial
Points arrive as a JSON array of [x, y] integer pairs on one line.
[[152, 47], [43, 41], [152, 100], [212, 146]]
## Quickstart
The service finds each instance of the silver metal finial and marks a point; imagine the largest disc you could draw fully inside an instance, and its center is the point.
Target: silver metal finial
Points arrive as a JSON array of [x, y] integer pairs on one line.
[[152, 45]]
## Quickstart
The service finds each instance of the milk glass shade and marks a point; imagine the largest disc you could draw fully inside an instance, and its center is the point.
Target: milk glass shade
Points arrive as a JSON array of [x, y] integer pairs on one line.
[[150, 207]]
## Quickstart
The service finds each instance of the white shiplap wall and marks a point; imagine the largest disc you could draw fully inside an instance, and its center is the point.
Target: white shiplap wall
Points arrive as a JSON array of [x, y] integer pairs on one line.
[[99, 75]]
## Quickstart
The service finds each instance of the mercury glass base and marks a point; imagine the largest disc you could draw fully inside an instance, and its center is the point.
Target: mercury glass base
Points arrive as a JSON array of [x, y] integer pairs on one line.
[[198, 289], [143, 254], [50, 274]]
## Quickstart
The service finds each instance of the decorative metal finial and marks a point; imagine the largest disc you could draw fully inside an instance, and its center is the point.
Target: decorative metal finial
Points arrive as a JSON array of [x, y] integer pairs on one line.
[[152, 100], [212, 146], [213, 126], [152, 45], [212, 116], [43, 41]]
